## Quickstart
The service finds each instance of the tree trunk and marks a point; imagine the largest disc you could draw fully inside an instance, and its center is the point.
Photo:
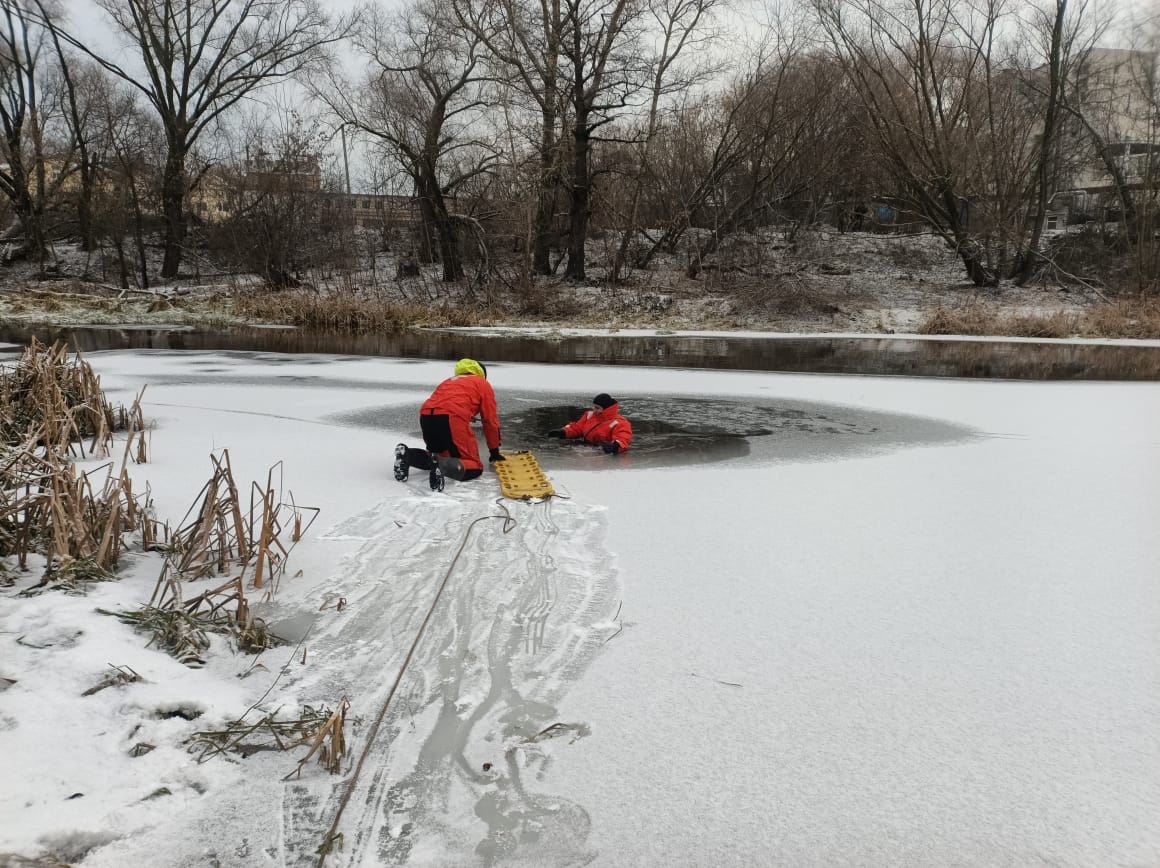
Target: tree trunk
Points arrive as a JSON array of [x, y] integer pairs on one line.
[[139, 234], [85, 203], [545, 196], [449, 247], [122, 265], [630, 229], [446, 232], [969, 251], [32, 221], [581, 199], [978, 272], [173, 210], [426, 252], [1123, 193], [24, 206]]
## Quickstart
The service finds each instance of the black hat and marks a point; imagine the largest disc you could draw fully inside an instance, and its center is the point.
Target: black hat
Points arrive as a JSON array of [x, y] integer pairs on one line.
[[603, 400]]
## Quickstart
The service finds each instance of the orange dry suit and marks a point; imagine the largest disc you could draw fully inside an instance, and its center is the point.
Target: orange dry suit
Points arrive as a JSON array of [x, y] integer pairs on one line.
[[446, 416], [605, 426]]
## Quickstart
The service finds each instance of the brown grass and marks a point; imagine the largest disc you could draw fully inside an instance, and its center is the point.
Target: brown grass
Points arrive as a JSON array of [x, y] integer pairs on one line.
[[347, 312], [13, 860], [1126, 318]]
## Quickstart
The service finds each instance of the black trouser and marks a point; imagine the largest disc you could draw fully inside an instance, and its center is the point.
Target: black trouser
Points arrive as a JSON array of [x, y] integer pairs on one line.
[[437, 435]]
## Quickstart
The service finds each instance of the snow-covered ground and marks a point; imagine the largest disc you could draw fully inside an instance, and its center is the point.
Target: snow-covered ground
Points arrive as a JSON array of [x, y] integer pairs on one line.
[[900, 622], [820, 281]]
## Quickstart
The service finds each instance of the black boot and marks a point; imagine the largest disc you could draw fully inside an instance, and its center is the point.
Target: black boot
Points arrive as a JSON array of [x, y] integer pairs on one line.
[[401, 468]]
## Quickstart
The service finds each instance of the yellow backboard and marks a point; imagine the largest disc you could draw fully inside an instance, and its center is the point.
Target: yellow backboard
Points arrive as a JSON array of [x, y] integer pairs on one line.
[[520, 476]]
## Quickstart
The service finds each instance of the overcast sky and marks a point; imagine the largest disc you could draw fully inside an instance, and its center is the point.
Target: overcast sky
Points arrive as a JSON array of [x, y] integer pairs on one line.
[[89, 24]]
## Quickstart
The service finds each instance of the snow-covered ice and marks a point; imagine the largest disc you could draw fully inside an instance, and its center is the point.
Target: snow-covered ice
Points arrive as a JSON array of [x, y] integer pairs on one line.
[[936, 645]]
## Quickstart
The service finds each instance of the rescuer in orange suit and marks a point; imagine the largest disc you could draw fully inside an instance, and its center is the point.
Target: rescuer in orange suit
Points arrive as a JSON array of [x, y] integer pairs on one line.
[[445, 419], [601, 426]]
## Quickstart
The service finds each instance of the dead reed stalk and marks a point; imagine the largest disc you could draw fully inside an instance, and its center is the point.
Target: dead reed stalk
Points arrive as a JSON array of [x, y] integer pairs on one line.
[[329, 743], [56, 397], [321, 728], [217, 538], [50, 403], [48, 506]]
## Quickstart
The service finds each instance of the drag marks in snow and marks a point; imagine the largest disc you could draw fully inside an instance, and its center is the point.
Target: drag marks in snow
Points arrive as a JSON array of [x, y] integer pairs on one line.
[[457, 771]]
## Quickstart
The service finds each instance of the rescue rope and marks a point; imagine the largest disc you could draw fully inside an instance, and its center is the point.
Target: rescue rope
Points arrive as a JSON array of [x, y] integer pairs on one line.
[[509, 524]]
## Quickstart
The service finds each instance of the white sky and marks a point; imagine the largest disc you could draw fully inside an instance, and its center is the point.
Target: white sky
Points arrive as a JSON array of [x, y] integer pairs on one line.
[[901, 655]]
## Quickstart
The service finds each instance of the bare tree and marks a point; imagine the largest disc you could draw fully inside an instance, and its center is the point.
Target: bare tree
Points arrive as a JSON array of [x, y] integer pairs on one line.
[[199, 58], [606, 68], [580, 63], [83, 89], [524, 38], [1144, 231], [951, 122], [281, 219], [24, 179], [1112, 95], [424, 100], [128, 188], [782, 139], [777, 136], [681, 25]]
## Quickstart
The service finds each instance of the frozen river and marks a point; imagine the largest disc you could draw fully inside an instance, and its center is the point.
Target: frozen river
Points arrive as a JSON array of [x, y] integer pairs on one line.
[[807, 620]]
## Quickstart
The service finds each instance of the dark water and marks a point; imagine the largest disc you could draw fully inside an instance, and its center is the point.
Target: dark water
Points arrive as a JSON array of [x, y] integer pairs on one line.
[[885, 356], [680, 430], [669, 431]]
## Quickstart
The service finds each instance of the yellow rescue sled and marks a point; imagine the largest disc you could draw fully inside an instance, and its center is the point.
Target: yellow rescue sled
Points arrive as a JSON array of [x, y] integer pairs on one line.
[[521, 478]]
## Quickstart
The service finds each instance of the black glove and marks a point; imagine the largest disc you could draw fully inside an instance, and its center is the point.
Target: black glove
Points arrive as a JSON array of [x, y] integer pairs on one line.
[[611, 447], [493, 455], [556, 432]]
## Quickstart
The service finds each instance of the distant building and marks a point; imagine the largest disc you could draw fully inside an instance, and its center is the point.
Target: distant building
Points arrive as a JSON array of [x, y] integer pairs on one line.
[[299, 173], [219, 191], [1114, 93], [374, 210]]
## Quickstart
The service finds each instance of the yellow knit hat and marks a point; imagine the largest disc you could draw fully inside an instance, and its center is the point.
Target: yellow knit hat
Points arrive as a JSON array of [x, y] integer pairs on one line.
[[470, 366]]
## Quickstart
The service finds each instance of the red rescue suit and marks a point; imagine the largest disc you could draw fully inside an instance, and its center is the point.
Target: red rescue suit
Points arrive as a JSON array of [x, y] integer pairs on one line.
[[461, 399], [604, 426]]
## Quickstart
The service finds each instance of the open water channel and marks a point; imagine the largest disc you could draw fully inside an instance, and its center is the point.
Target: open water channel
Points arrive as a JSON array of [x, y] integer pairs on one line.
[[886, 355]]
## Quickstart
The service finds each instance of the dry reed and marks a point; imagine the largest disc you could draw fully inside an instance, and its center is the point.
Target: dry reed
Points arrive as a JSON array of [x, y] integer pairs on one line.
[[1125, 318], [329, 742], [172, 629], [216, 538], [56, 398], [321, 728], [51, 403], [351, 313], [120, 675]]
